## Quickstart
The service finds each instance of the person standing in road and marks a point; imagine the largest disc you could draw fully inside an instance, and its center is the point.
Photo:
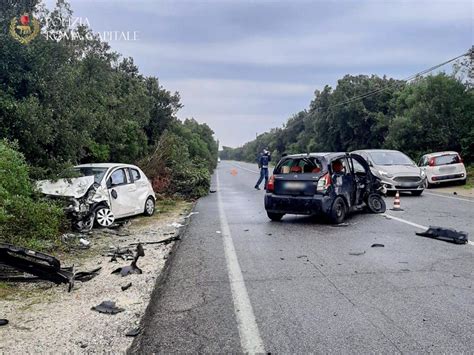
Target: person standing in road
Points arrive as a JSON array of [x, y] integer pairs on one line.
[[263, 161]]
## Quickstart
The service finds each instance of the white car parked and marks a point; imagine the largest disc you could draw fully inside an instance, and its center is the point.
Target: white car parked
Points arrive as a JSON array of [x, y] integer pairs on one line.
[[103, 193], [443, 167]]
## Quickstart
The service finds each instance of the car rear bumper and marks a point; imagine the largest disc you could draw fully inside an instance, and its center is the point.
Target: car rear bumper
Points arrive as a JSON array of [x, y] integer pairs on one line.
[[307, 205], [436, 179]]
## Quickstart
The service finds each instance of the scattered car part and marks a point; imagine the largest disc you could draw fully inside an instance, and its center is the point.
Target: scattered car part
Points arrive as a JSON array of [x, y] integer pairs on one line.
[[176, 225], [84, 276], [126, 287], [357, 253], [3, 322], [445, 234], [133, 332], [132, 268], [43, 266], [107, 307], [164, 241], [377, 245], [84, 242]]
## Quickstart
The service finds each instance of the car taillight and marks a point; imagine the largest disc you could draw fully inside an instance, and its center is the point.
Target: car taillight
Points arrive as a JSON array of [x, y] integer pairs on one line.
[[431, 162], [271, 184], [323, 183]]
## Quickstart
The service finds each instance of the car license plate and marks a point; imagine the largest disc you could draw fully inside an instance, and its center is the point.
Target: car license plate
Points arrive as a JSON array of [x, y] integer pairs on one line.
[[447, 169], [294, 186]]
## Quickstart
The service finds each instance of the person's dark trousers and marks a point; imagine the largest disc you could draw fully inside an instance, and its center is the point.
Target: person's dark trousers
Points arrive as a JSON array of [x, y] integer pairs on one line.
[[263, 175]]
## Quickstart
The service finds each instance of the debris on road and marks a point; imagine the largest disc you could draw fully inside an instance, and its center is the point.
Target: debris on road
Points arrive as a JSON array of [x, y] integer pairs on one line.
[[455, 193], [301, 256], [132, 268], [212, 191], [133, 332], [357, 253], [3, 322], [376, 245], [176, 225], [191, 214], [445, 234], [126, 287], [86, 275], [107, 307], [344, 224], [164, 241], [218, 232], [84, 242], [123, 253]]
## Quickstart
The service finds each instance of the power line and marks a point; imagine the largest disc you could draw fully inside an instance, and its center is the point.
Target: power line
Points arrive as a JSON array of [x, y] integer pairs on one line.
[[410, 78]]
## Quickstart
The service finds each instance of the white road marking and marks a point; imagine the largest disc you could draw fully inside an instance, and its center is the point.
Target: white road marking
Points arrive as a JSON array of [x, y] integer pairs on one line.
[[451, 197], [248, 330], [391, 216]]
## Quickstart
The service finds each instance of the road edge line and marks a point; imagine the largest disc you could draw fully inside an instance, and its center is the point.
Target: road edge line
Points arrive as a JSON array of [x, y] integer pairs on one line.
[[250, 339]]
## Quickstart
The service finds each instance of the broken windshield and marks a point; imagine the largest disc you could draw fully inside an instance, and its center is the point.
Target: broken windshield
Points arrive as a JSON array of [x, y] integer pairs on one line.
[[390, 158], [98, 173]]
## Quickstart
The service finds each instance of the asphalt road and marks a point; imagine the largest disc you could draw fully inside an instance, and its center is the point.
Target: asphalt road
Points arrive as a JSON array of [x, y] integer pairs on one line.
[[241, 283]]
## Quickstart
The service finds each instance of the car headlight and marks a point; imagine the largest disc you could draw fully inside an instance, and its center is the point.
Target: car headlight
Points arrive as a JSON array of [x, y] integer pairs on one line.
[[385, 174]]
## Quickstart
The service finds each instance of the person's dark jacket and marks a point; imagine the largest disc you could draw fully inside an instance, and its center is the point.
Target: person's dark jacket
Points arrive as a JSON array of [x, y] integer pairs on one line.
[[263, 161]]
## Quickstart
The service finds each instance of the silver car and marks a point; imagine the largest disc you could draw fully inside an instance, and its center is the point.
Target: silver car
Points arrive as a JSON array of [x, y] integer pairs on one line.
[[102, 193], [396, 170]]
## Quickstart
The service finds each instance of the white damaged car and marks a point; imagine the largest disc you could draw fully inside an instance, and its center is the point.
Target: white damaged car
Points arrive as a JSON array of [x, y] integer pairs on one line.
[[102, 193]]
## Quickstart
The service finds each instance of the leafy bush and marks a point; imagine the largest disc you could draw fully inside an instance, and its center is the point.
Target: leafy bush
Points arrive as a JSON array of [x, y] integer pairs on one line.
[[173, 171], [25, 219]]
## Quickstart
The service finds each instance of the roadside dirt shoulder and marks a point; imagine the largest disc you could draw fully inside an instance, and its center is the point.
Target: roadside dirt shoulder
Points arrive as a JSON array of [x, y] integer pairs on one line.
[[454, 190], [45, 318]]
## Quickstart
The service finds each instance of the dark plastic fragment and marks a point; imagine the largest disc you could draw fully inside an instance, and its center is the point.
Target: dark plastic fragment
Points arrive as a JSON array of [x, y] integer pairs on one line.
[[107, 307], [445, 234], [3, 322]]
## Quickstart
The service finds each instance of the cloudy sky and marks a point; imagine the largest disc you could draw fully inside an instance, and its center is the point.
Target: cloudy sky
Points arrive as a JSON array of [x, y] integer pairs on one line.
[[245, 66]]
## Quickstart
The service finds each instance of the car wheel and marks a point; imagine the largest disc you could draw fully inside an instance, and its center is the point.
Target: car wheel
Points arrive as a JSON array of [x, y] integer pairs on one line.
[[417, 193], [104, 217], [338, 211], [376, 203], [275, 216], [149, 207]]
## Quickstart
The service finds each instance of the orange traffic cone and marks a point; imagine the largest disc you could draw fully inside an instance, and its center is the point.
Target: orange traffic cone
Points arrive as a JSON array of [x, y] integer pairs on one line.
[[396, 203]]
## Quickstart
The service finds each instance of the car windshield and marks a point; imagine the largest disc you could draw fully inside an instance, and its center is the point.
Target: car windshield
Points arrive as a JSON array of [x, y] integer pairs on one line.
[[98, 173], [390, 158]]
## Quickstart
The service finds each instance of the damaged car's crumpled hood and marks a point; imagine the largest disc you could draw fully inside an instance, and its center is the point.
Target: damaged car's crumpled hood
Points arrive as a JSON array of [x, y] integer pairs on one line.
[[75, 187]]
